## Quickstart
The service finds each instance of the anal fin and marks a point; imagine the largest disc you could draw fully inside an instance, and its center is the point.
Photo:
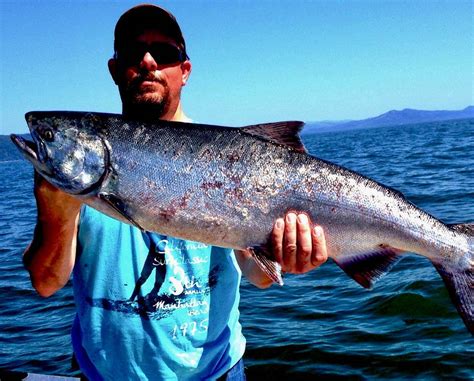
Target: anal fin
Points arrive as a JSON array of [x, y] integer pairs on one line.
[[367, 268], [268, 266]]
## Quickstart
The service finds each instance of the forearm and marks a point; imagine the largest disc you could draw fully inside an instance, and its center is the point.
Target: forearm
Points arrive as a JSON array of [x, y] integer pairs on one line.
[[251, 270], [51, 255]]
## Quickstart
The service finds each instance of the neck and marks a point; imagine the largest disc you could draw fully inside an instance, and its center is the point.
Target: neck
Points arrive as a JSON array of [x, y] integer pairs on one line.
[[178, 115]]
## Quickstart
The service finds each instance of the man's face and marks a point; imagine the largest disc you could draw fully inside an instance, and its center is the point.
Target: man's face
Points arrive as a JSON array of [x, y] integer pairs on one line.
[[146, 77]]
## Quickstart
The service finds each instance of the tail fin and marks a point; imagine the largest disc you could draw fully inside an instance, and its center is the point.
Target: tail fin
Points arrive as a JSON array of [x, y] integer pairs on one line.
[[460, 280]]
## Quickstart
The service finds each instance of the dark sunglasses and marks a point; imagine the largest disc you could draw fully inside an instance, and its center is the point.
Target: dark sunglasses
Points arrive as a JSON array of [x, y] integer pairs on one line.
[[163, 53]]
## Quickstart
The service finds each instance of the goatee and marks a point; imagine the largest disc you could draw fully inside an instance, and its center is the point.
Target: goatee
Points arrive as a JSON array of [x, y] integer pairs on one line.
[[145, 102]]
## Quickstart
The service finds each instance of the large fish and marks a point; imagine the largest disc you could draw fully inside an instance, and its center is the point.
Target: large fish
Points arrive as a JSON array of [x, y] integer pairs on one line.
[[226, 187]]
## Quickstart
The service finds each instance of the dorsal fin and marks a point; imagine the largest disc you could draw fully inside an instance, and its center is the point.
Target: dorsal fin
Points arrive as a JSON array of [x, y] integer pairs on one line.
[[285, 133]]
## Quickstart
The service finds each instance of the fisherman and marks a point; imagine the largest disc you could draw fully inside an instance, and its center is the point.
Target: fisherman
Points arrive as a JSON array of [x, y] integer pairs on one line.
[[182, 323]]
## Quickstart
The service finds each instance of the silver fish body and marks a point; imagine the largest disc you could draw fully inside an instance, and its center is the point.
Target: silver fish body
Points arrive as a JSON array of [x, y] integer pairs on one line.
[[227, 186]]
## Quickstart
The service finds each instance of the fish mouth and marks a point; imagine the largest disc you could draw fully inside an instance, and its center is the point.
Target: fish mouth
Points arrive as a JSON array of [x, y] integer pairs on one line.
[[27, 148], [30, 151]]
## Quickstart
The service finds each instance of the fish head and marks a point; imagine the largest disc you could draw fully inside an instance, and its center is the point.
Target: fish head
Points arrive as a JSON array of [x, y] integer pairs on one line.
[[66, 150]]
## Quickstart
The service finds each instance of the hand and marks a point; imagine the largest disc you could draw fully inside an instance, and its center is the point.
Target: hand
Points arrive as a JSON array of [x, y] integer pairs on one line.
[[297, 246]]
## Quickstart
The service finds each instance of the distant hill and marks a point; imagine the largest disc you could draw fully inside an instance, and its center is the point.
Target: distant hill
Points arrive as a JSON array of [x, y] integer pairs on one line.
[[391, 118], [8, 150]]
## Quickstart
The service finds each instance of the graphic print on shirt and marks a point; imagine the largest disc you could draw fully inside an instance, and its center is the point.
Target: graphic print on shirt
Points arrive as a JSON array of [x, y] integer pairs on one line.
[[182, 284], [156, 254]]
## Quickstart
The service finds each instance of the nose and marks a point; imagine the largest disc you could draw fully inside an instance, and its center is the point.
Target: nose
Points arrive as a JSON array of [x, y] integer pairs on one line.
[[148, 62]]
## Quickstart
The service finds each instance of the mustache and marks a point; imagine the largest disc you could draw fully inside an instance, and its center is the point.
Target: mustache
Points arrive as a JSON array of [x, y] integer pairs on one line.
[[146, 76]]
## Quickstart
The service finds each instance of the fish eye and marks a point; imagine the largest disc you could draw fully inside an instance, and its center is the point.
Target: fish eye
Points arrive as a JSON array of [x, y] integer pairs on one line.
[[48, 135]]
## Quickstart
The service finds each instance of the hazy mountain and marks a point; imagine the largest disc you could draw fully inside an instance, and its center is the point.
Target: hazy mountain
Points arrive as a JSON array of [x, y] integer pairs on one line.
[[8, 150], [391, 118]]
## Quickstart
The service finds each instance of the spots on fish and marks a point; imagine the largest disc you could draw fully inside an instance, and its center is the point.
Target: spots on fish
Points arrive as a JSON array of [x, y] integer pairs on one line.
[[138, 132], [235, 194], [210, 222], [212, 185], [235, 178], [151, 184], [233, 157], [338, 189], [167, 214], [206, 154], [146, 139], [174, 207], [261, 185], [302, 170]]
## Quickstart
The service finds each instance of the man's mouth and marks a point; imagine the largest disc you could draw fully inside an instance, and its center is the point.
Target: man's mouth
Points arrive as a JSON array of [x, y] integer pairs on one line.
[[148, 83], [146, 79]]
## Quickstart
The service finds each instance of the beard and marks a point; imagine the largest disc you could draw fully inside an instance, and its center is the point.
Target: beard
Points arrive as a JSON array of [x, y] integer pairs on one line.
[[151, 99]]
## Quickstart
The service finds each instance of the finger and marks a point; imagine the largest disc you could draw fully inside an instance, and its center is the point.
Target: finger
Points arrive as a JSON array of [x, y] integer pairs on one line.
[[304, 242], [289, 243], [319, 254], [277, 240]]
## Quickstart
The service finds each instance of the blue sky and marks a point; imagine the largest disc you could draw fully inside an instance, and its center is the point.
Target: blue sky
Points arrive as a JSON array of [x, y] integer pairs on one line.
[[253, 61]]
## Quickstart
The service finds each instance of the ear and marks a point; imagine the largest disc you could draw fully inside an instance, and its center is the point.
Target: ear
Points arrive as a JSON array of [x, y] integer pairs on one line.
[[113, 69], [186, 71]]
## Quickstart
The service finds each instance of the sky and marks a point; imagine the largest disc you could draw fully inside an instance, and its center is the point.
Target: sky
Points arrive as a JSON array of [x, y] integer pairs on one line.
[[253, 61]]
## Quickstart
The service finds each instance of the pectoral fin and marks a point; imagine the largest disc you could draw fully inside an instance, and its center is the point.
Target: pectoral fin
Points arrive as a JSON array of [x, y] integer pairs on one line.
[[119, 206], [269, 267]]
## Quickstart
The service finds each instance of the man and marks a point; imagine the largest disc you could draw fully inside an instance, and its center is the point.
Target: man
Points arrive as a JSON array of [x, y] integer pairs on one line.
[[182, 323]]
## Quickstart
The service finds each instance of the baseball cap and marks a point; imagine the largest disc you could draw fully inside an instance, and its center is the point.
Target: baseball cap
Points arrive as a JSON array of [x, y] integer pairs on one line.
[[147, 16]]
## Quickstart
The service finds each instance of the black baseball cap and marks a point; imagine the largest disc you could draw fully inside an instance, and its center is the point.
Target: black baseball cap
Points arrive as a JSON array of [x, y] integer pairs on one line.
[[147, 16]]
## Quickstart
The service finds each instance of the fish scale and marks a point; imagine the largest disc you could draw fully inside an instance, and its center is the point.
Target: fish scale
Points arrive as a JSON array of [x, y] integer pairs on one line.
[[227, 186]]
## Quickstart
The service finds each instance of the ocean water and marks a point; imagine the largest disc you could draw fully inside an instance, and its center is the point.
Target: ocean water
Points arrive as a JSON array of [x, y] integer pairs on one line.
[[319, 326]]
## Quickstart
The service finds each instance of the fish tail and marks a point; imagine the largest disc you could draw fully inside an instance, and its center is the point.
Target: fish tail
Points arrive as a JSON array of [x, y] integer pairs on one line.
[[459, 279]]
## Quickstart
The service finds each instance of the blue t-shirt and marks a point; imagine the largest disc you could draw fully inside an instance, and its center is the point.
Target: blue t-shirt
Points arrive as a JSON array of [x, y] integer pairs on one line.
[[151, 307]]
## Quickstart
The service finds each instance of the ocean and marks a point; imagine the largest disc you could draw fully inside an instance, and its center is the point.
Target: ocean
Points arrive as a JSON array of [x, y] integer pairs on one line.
[[319, 326]]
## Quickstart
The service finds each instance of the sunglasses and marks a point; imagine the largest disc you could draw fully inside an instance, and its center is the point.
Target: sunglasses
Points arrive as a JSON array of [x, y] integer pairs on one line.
[[163, 53]]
